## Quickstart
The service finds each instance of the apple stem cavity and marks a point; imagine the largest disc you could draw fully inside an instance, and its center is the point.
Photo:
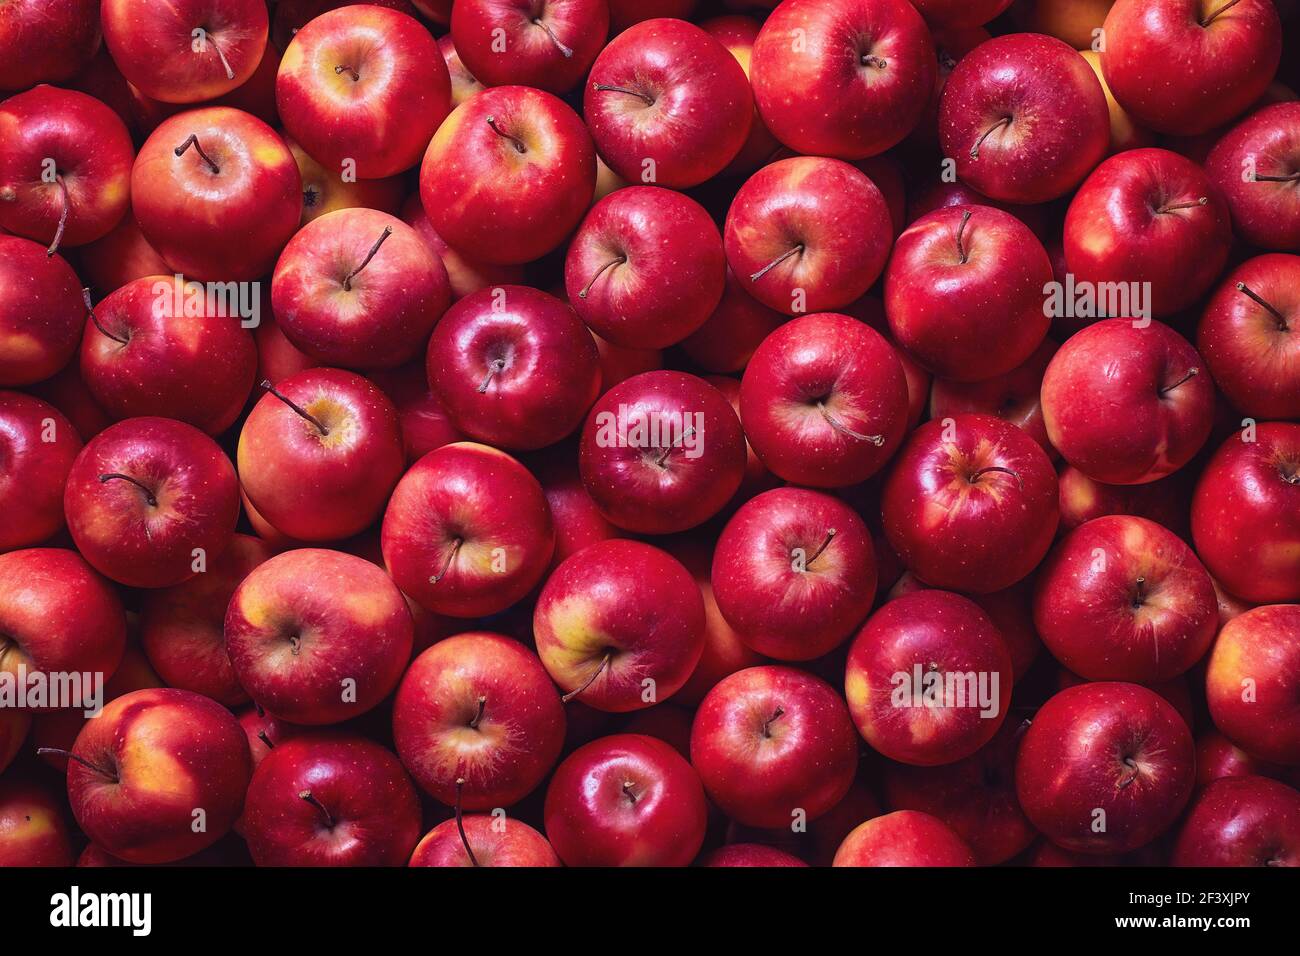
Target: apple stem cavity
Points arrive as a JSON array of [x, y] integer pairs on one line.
[[193, 140], [514, 140], [230, 74], [148, 495], [266, 739], [767, 724], [870, 59], [961, 250], [329, 819], [460, 823], [590, 680], [1139, 592], [975, 150], [347, 280], [482, 704], [629, 790], [826, 543], [797, 250], [350, 71], [320, 426], [566, 51], [63, 216], [1216, 14], [1282, 324], [605, 87], [1173, 207], [495, 368], [600, 272], [81, 760], [85, 297], [662, 459], [1191, 373], [839, 426], [1131, 776], [976, 476], [451, 556]]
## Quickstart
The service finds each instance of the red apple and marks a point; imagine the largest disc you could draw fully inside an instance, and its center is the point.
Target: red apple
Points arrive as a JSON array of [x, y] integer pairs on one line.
[[358, 288], [159, 344], [733, 331], [513, 367], [1012, 396], [1254, 167], [667, 104], [320, 453], [808, 234], [38, 446], [928, 679], [904, 838], [330, 799], [185, 51], [424, 421], [467, 531], [1147, 216], [661, 452], [46, 41], [217, 193], [1024, 118], [1246, 514], [646, 267], [1105, 768], [578, 521], [625, 800], [464, 275], [774, 745], [119, 257], [464, 84], [794, 573], [970, 504], [1122, 598], [363, 88], [33, 825], [1187, 66], [1241, 821], [956, 14], [41, 312], [317, 636], [182, 627], [549, 44], [65, 171], [521, 167], [1218, 757], [477, 721], [1252, 683], [619, 625], [159, 775], [150, 501], [738, 34], [1151, 372], [848, 78], [1246, 336], [749, 854], [824, 401], [493, 841]]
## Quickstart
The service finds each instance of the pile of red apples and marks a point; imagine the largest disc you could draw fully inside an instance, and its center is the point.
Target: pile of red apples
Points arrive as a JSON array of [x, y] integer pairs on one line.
[[651, 432]]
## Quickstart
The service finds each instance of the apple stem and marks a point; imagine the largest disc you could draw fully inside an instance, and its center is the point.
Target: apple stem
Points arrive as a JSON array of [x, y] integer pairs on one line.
[[1132, 775], [230, 74], [797, 250], [1282, 325], [600, 272], [767, 724], [460, 823], [564, 699], [266, 739], [629, 790], [347, 282], [830, 536], [870, 59], [496, 367], [451, 556], [998, 468], [961, 250], [568, 53], [603, 87], [667, 451], [148, 495], [81, 760], [356, 77], [1223, 9], [306, 795], [975, 150], [515, 140], [320, 426], [63, 217], [1293, 177], [839, 426], [482, 704], [85, 297], [1171, 207], [1139, 592], [193, 140], [1191, 373]]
